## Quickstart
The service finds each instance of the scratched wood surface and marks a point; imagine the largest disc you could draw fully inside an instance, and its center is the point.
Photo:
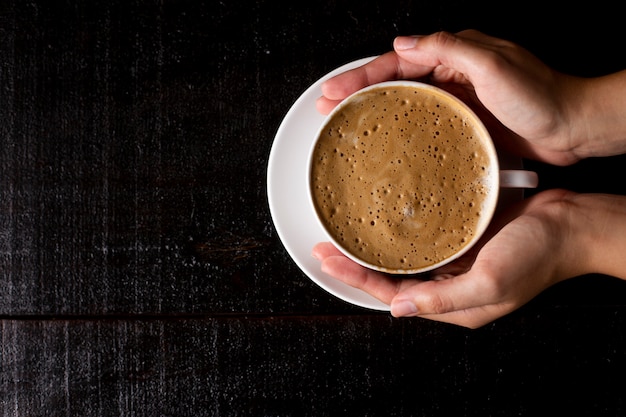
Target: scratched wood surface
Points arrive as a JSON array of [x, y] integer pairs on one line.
[[333, 365], [140, 271]]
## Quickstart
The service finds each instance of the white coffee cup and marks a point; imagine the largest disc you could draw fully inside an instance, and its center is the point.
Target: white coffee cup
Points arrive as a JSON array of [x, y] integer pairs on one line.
[[359, 154]]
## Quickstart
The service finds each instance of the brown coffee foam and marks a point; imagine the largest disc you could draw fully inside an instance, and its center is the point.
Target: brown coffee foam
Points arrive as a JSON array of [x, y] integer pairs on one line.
[[399, 179]]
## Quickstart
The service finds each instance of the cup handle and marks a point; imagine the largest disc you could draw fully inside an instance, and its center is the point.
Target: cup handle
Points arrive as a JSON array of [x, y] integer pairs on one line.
[[518, 178]]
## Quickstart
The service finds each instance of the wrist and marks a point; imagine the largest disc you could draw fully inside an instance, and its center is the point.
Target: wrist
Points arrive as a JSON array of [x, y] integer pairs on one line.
[[594, 115], [569, 232], [594, 239]]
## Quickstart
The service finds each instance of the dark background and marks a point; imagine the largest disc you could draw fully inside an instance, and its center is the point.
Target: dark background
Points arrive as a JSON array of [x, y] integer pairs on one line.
[[140, 271]]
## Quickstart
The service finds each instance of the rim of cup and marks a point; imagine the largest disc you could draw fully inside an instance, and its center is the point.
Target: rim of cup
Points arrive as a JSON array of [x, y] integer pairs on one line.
[[488, 206]]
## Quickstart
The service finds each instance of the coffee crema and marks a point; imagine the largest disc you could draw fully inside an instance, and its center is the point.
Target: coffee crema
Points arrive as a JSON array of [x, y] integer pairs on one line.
[[399, 176]]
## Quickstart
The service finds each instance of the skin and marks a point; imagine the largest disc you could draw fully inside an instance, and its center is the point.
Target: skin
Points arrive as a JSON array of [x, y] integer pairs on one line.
[[530, 110]]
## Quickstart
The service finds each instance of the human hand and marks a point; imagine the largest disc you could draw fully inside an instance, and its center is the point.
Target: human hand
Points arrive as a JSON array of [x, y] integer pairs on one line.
[[530, 247], [524, 103]]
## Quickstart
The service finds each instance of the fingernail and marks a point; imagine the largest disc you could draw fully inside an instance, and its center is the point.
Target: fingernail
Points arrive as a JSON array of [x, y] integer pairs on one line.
[[402, 308], [405, 42]]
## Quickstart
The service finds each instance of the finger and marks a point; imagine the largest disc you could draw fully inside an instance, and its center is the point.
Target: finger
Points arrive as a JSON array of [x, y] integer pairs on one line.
[[442, 296], [388, 66], [381, 286], [323, 250], [465, 53], [419, 56], [472, 318], [408, 63], [342, 85], [383, 68], [325, 105], [480, 37]]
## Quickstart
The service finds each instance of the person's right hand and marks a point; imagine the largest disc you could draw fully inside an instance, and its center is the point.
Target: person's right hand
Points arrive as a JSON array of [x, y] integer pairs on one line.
[[527, 103]]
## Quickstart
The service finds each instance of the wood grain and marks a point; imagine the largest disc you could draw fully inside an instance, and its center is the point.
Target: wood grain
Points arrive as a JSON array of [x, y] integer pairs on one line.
[[140, 272]]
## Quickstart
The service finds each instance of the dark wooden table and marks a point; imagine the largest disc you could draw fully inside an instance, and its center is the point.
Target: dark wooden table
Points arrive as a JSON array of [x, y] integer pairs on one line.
[[140, 270]]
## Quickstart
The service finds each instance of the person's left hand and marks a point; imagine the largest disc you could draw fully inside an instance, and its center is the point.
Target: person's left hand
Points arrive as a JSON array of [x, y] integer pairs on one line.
[[525, 251]]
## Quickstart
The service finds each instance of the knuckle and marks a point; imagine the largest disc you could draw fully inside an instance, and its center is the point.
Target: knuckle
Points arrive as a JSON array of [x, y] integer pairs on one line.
[[444, 38], [437, 304]]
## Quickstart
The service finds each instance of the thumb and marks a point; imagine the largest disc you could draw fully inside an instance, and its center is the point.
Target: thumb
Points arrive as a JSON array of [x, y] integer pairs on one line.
[[439, 297], [445, 301], [461, 54]]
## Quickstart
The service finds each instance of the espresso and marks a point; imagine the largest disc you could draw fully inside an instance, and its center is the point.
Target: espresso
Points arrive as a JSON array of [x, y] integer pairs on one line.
[[399, 177]]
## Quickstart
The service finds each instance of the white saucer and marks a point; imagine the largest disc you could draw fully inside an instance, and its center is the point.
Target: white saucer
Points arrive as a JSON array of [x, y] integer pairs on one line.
[[293, 217]]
